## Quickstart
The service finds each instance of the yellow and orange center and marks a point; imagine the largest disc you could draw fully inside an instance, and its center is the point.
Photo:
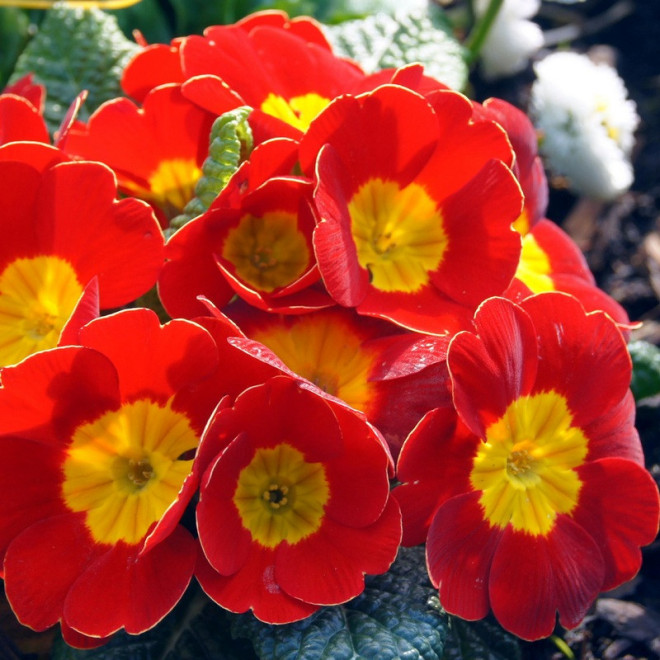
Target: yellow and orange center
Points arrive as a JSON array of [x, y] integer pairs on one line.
[[268, 252], [325, 350], [298, 111], [37, 297], [171, 185], [525, 469], [125, 469], [534, 267], [399, 234], [280, 496]]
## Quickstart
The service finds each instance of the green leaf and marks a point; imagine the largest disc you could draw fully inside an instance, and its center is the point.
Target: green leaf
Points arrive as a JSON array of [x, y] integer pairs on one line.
[[14, 25], [479, 640], [230, 143], [382, 41], [646, 369], [390, 619], [76, 49], [197, 629]]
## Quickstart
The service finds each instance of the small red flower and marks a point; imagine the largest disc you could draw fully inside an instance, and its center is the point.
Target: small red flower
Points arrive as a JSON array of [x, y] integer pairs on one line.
[[255, 241], [416, 226], [295, 508], [534, 494], [57, 240], [156, 150], [98, 443]]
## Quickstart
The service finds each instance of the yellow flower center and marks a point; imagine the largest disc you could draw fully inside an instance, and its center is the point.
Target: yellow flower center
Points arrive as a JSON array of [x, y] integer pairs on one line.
[[268, 252], [37, 297], [171, 185], [525, 469], [534, 266], [124, 469], [398, 234], [280, 496], [325, 350], [298, 111]]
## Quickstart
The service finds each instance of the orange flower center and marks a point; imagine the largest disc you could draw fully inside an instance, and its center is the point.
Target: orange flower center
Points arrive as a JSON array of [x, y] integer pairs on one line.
[[280, 496], [399, 234], [525, 469], [37, 297], [325, 350], [123, 470], [268, 252], [172, 184]]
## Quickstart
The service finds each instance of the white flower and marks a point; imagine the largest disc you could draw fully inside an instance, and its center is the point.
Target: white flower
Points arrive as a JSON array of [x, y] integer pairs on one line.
[[512, 39], [586, 123]]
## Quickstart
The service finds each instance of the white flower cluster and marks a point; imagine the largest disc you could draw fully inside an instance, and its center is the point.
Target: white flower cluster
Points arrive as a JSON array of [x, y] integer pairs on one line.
[[512, 39], [586, 123]]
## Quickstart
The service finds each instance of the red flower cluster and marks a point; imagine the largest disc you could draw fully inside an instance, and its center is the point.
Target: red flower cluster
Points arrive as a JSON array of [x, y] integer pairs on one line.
[[376, 280]]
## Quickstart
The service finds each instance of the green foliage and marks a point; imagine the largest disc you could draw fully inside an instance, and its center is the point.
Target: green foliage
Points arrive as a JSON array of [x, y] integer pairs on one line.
[[14, 26], [646, 369], [479, 640], [76, 49], [381, 41], [148, 17], [230, 144], [391, 619]]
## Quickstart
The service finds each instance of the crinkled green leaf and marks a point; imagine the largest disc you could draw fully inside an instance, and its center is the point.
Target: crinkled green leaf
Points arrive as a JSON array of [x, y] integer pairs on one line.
[[646, 369], [391, 619], [479, 640], [382, 41], [76, 49], [197, 629], [230, 142]]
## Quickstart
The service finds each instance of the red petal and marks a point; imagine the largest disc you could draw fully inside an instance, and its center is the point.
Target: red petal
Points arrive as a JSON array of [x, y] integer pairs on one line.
[[584, 357], [42, 563], [47, 395], [224, 540], [78, 641], [253, 587], [483, 251], [619, 507], [86, 310], [120, 590], [434, 465], [533, 577], [153, 360], [459, 551], [328, 567], [30, 486], [20, 120], [491, 370]]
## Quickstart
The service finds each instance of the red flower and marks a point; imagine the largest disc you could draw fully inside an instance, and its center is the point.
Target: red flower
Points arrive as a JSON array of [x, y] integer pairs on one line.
[[535, 497], [295, 508], [255, 241], [156, 151], [97, 443], [58, 240], [551, 261], [416, 205]]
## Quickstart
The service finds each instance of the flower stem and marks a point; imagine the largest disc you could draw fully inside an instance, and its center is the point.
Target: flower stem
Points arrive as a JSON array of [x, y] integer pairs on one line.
[[480, 31]]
